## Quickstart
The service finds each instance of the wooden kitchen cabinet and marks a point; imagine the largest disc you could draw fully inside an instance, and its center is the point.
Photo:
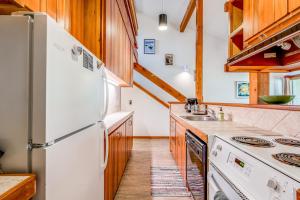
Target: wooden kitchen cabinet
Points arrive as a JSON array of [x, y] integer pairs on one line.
[[129, 137], [293, 5], [173, 137], [119, 48], [120, 146], [181, 149], [260, 20]]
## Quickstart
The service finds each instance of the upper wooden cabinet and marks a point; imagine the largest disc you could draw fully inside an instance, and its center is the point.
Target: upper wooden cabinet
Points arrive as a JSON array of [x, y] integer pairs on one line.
[[120, 41], [293, 5], [258, 20]]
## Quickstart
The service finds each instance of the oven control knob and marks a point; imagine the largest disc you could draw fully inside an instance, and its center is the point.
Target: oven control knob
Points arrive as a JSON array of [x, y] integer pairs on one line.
[[215, 153], [273, 184], [219, 147]]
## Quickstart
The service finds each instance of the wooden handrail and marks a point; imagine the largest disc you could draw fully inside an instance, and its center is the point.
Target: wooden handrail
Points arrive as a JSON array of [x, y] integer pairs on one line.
[[151, 95], [159, 82]]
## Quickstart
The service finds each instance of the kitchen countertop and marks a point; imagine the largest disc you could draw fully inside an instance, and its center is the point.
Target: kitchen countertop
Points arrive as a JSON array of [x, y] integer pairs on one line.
[[15, 184], [206, 130], [114, 120]]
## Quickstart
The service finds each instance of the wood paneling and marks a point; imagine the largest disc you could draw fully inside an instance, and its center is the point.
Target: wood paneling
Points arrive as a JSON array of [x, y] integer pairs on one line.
[[187, 16], [199, 50], [151, 95], [23, 191], [120, 146], [259, 86], [159, 82]]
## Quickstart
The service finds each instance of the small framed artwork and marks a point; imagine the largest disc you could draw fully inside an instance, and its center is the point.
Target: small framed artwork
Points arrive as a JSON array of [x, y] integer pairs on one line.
[[242, 89], [149, 46], [168, 59]]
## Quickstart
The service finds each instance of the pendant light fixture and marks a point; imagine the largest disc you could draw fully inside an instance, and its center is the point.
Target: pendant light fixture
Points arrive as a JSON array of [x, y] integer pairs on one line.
[[163, 20]]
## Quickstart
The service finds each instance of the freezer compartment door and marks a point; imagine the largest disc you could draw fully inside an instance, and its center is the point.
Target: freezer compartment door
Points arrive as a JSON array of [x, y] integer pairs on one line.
[[73, 167], [72, 86]]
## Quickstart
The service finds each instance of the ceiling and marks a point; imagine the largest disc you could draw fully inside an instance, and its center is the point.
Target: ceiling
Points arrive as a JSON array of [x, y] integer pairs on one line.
[[175, 9], [215, 19]]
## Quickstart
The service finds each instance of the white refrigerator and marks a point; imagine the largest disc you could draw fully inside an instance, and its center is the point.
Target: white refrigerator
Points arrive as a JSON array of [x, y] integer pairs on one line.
[[53, 98]]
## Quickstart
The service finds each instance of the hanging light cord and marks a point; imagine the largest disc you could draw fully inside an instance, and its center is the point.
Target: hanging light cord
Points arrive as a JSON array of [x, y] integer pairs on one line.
[[162, 5]]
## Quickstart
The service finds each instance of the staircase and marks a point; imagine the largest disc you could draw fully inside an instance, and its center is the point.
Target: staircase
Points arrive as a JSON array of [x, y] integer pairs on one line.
[[159, 83]]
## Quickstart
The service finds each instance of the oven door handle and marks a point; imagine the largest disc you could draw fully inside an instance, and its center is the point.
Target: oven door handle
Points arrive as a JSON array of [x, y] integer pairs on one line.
[[213, 182]]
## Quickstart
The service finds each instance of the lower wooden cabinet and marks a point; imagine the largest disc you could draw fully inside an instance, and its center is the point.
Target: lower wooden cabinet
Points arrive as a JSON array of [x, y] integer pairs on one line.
[[120, 146], [178, 145]]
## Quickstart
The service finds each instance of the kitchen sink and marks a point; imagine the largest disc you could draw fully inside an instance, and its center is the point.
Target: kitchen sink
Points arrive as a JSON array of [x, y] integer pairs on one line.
[[199, 118]]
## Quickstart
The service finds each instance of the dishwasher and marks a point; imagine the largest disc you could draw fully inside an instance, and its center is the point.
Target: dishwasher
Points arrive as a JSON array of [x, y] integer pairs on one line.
[[196, 161]]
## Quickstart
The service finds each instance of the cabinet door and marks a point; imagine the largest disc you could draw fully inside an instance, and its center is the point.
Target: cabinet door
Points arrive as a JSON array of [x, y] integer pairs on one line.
[[172, 136], [109, 177], [129, 137], [293, 5], [265, 14], [280, 9], [181, 150], [248, 19]]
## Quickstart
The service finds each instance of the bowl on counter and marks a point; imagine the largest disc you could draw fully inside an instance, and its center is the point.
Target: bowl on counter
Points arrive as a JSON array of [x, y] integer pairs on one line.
[[278, 99]]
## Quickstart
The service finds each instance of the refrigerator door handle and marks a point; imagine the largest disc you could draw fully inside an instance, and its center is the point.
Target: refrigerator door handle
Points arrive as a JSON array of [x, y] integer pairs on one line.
[[32, 145], [106, 93], [104, 165]]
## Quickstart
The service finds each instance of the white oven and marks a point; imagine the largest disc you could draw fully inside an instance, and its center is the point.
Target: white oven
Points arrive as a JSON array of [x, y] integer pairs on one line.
[[234, 174], [220, 187]]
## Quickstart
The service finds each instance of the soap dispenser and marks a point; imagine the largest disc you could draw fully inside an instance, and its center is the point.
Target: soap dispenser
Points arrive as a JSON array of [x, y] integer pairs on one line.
[[221, 115]]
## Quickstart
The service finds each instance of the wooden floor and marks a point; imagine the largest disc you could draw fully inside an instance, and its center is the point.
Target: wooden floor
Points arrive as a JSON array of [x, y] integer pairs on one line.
[[136, 182]]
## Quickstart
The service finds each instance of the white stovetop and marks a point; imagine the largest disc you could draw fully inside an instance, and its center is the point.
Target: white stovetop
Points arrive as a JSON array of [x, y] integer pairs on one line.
[[265, 154]]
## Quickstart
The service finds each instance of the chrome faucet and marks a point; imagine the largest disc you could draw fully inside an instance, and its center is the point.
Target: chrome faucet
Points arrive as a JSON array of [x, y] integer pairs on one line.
[[212, 113]]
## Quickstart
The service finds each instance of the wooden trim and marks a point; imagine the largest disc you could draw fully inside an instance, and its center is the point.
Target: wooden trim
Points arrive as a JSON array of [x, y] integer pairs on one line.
[[151, 137], [298, 194], [24, 190], [159, 82], [196, 131], [293, 77], [187, 16], [259, 86], [151, 95], [261, 106], [199, 50]]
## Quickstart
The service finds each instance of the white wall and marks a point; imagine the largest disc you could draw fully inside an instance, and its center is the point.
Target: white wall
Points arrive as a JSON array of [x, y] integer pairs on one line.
[[150, 118], [218, 86], [182, 45], [114, 98]]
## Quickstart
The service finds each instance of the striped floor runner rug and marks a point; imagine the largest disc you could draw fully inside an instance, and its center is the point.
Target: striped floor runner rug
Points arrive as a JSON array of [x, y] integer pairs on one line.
[[167, 182]]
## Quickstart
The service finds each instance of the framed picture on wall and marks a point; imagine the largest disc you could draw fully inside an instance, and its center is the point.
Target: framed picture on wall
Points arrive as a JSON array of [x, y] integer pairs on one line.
[[242, 89], [149, 46], [169, 59]]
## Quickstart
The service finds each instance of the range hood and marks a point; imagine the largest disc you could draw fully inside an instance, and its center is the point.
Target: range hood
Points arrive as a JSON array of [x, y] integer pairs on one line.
[[280, 52]]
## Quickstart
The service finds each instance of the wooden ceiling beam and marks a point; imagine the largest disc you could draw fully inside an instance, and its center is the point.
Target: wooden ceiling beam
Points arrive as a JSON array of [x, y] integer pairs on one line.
[[187, 16]]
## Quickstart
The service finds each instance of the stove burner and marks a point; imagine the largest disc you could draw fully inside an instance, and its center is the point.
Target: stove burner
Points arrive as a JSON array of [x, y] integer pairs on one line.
[[253, 141], [287, 141], [288, 158]]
